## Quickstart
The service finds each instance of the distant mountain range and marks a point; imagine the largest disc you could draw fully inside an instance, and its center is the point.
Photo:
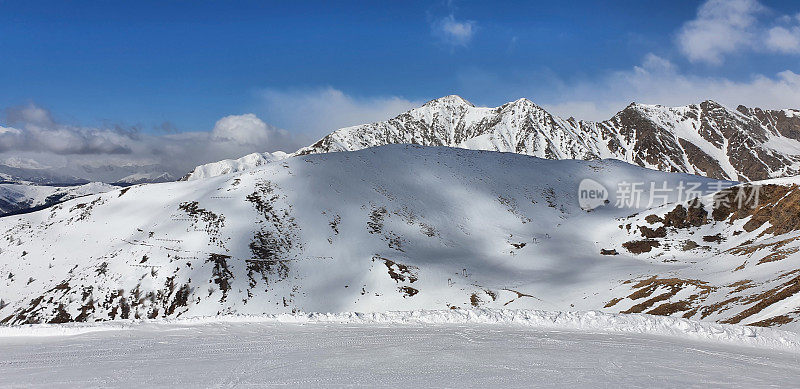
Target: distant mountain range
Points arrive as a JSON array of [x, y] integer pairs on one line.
[[30, 188], [117, 175], [706, 139], [21, 198], [36, 176]]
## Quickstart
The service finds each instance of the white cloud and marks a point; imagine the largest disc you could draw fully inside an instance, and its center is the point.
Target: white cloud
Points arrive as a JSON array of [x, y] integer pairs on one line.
[[29, 114], [658, 81], [721, 27], [784, 40], [654, 63], [104, 153], [32, 135], [63, 139], [243, 129], [318, 112], [453, 32], [724, 27]]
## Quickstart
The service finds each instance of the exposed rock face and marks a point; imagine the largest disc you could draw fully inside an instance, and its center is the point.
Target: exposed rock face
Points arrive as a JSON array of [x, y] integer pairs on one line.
[[706, 139], [753, 245]]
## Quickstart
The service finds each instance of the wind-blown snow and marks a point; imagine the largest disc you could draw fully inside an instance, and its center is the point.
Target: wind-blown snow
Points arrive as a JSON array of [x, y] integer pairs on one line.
[[590, 321]]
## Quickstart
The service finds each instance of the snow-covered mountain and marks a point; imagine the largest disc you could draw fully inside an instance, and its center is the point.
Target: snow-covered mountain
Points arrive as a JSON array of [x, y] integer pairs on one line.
[[74, 175], [122, 174], [36, 176], [389, 228], [25, 186], [17, 198], [233, 165], [145, 178], [706, 139]]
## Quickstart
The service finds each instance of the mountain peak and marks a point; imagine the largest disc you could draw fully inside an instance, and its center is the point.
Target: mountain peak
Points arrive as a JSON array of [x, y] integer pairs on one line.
[[525, 102], [633, 106], [712, 103], [449, 100]]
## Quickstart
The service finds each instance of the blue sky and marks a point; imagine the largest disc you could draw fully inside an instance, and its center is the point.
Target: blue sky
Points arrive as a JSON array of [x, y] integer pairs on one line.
[[310, 67]]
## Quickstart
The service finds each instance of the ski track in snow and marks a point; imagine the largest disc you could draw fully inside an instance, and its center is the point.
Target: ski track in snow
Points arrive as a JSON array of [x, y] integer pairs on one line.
[[411, 349]]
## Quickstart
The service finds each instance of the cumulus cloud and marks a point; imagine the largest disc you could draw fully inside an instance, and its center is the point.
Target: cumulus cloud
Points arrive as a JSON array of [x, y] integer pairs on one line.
[[111, 152], [30, 133], [724, 27], [453, 32], [784, 40], [317, 112], [243, 129], [29, 114], [721, 27], [658, 81], [38, 132]]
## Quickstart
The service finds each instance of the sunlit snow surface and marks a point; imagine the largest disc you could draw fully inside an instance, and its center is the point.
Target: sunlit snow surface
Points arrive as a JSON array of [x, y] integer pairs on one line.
[[428, 349]]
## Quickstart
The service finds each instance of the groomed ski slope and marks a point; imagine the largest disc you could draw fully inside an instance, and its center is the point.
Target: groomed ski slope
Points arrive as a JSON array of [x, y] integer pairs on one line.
[[422, 348]]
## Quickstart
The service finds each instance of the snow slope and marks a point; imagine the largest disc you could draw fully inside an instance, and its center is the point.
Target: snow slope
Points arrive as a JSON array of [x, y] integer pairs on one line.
[[390, 228], [431, 349], [233, 165]]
